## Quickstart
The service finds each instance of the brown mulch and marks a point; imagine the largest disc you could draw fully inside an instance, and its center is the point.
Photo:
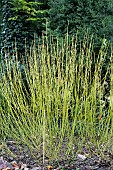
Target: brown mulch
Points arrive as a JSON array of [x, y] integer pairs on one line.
[[16, 158]]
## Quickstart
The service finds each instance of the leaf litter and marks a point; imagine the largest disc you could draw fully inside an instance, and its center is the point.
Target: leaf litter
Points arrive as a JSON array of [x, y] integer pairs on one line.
[[23, 160]]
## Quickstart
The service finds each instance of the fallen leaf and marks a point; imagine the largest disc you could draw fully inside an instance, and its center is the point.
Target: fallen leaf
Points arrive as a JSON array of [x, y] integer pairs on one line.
[[2, 163], [3, 166], [7, 168], [49, 167], [14, 164]]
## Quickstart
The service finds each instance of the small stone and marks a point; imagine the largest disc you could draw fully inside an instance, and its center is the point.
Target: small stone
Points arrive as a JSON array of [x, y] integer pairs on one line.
[[36, 168], [11, 158], [21, 157], [81, 157], [27, 156], [26, 168]]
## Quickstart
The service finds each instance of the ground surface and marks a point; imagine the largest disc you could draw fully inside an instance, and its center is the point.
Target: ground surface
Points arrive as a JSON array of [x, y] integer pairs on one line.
[[13, 158]]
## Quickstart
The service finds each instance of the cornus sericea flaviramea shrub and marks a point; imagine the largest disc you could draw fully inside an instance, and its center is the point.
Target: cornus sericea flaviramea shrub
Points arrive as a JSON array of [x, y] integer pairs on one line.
[[57, 98]]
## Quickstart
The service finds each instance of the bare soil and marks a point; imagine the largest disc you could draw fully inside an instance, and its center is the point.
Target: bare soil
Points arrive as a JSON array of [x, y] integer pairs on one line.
[[12, 154]]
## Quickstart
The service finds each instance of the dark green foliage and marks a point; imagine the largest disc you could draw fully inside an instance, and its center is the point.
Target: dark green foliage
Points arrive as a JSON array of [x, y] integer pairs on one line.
[[7, 27], [0, 25], [0, 16], [82, 15], [21, 19]]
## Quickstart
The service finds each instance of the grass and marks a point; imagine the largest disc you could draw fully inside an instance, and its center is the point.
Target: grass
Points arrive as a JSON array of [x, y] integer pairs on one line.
[[54, 103]]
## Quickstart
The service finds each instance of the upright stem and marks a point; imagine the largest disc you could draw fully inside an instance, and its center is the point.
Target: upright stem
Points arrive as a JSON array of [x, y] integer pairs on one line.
[[44, 140]]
